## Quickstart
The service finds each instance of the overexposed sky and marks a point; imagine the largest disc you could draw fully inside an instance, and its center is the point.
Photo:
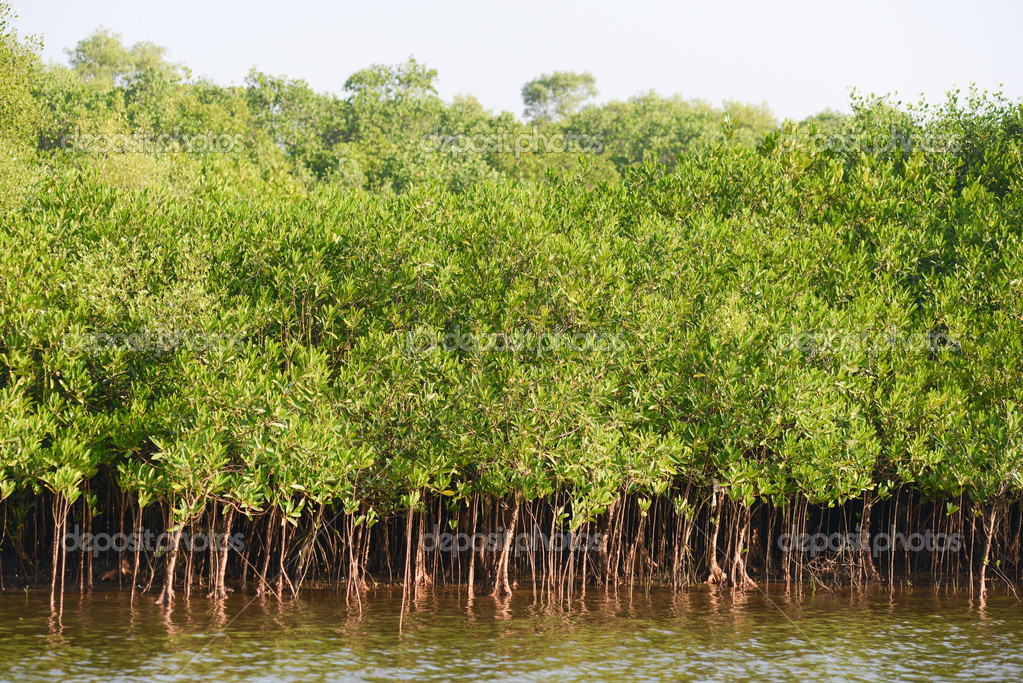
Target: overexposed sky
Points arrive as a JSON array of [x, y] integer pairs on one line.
[[799, 56]]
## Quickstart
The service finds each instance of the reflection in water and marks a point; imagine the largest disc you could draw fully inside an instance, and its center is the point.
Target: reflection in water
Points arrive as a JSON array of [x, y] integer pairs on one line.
[[908, 634]]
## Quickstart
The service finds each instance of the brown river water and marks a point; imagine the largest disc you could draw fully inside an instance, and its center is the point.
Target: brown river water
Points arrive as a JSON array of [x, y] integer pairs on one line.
[[910, 634]]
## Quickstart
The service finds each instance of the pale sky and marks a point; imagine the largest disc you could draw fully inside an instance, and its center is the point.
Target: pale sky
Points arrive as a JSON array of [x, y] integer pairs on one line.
[[799, 56]]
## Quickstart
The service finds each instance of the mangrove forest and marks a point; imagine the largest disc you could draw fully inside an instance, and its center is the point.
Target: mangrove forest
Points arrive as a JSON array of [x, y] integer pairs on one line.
[[264, 339]]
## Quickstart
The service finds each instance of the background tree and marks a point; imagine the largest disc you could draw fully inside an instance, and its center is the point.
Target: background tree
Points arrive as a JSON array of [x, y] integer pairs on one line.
[[102, 56], [556, 96]]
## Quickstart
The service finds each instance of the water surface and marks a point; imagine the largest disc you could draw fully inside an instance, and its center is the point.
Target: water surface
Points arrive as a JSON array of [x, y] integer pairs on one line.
[[918, 634]]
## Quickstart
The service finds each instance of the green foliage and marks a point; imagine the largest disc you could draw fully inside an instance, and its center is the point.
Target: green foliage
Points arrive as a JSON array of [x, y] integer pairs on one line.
[[103, 58], [18, 112], [649, 127], [388, 132], [558, 95], [284, 326]]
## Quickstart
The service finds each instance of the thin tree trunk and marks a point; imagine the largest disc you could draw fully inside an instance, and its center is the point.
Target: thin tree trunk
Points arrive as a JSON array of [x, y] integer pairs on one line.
[[501, 585]]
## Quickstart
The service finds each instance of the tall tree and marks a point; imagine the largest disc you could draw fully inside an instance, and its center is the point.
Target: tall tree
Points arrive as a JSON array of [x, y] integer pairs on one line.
[[555, 96], [102, 56]]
